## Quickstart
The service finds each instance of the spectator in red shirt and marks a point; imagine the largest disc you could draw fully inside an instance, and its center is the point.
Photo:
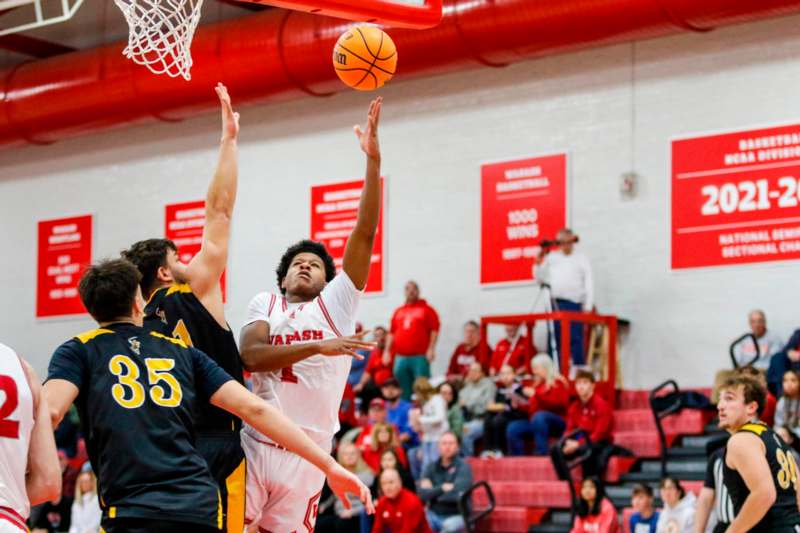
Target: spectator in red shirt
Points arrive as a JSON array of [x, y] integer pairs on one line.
[[596, 514], [347, 410], [399, 510], [510, 351], [412, 339], [592, 416], [376, 414], [468, 352], [383, 438], [547, 405], [376, 371]]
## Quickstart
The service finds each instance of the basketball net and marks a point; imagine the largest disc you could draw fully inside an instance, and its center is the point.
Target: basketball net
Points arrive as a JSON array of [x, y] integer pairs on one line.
[[160, 34]]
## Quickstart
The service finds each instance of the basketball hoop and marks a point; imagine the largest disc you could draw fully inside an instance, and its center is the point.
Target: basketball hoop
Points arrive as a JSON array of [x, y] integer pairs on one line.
[[160, 34]]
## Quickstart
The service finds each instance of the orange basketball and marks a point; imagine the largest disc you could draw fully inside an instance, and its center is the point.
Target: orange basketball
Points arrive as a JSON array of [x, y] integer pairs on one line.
[[365, 58]]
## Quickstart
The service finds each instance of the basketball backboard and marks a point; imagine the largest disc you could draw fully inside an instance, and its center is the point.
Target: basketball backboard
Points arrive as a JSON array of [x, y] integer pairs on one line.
[[22, 15], [417, 14]]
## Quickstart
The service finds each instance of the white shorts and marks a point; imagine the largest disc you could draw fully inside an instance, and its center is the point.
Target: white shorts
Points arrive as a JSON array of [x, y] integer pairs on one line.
[[283, 489]]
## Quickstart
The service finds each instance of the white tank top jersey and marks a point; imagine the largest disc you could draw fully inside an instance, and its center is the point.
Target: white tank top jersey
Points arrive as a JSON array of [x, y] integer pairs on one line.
[[16, 424], [310, 391]]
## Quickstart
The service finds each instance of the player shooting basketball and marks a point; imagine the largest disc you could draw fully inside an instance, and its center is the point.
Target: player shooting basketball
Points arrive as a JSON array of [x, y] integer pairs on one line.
[[298, 344]]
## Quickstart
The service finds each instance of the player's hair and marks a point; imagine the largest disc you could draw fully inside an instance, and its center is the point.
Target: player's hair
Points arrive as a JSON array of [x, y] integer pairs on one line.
[[584, 374], [305, 246], [600, 493], [472, 323], [751, 387], [148, 256], [377, 428], [642, 489], [108, 289]]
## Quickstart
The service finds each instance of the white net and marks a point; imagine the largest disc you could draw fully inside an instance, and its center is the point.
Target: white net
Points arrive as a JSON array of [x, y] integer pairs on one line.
[[161, 33]]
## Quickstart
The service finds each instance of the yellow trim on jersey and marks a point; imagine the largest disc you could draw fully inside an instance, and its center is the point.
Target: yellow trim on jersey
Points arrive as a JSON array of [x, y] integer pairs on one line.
[[754, 427], [112, 512], [153, 295], [235, 485], [182, 287], [170, 339], [89, 335], [219, 510]]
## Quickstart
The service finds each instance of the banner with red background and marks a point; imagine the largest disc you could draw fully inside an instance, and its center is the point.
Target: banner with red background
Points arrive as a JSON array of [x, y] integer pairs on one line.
[[334, 210], [735, 197], [64, 250], [522, 202], [183, 224]]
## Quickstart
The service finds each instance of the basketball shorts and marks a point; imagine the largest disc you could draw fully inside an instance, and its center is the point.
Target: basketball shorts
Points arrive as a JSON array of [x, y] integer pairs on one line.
[[225, 458], [149, 525], [283, 489]]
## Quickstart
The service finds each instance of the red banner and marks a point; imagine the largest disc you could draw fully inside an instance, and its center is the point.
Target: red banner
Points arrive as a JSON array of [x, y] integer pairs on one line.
[[522, 202], [735, 198], [334, 210], [183, 225], [65, 249]]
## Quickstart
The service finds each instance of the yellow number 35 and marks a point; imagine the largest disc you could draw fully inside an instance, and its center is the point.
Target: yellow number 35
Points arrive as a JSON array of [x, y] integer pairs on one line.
[[129, 393]]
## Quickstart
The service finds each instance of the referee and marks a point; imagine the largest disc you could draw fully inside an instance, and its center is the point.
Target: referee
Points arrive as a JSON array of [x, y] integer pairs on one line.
[[714, 507]]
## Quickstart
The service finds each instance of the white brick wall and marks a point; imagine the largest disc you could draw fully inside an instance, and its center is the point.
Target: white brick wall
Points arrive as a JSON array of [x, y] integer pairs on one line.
[[436, 132]]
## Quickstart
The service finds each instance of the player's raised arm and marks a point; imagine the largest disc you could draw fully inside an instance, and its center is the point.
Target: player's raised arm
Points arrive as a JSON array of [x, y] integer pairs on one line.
[[358, 251], [745, 454], [43, 479], [207, 266], [270, 422]]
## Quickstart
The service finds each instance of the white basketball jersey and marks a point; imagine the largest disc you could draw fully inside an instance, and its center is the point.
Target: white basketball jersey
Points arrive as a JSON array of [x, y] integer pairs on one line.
[[16, 424], [310, 391]]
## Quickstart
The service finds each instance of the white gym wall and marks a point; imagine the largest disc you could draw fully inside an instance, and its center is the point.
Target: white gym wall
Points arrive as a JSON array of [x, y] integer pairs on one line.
[[435, 133]]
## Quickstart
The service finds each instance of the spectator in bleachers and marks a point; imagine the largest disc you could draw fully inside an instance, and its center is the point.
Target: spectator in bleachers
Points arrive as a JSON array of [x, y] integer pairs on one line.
[[787, 359], [397, 410], [791, 439], [353, 519], [767, 415], [596, 514], [474, 398], [376, 414], [383, 438], [645, 517], [431, 420], [569, 275], [389, 460], [768, 343], [455, 416], [412, 339], [509, 404], [357, 366], [714, 506], [375, 372], [510, 351], [787, 411], [677, 516], [347, 411], [398, 510], [548, 400], [592, 416], [86, 513], [468, 352], [442, 484]]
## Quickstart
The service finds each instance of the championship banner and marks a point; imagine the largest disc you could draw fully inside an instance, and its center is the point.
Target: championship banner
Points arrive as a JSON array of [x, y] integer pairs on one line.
[[735, 198], [522, 202], [334, 210], [64, 250], [183, 225]]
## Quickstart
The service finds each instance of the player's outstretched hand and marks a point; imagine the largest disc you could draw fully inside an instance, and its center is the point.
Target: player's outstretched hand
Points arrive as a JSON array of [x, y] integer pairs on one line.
[[343, 482], [368, 137], [230, 120], [346, 345]]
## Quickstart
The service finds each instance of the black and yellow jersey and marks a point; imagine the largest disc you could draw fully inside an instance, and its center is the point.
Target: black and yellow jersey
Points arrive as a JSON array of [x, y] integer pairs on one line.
[[784, 515], [138, 391], [176, 312]]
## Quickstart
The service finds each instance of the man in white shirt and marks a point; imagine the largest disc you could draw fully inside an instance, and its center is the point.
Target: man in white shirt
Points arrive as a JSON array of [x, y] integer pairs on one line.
[[569, 275], [768, 343]]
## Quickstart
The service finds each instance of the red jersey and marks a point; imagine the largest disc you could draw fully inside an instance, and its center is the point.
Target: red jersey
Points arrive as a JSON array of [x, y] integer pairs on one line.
[[411, 328], [594, 417], [463, 357], [347, 409], [553, 398], [768, 416], [505, 355], [375, 367], [404, 514]]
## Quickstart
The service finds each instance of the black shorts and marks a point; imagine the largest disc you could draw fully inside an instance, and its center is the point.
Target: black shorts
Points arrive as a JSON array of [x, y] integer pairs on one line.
[[148, 525], [225, 458]]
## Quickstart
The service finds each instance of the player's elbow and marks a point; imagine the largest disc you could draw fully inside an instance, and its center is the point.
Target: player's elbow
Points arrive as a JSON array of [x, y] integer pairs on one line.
[[765, 496], [249, 356], [255, 412], [45, 487]]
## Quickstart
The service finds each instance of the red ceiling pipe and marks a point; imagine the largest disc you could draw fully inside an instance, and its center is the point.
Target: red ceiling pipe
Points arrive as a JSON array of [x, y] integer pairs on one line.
[[279, 54]]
